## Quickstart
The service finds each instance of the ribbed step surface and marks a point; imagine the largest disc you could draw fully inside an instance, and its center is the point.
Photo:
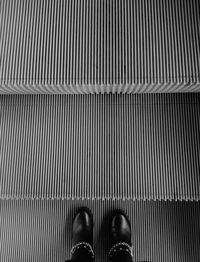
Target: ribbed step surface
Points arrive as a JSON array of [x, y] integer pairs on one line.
[[100, 147], [97, 46], [40, 230]]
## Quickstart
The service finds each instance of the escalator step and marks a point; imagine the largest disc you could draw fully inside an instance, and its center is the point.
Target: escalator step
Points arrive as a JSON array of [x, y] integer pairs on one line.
[[87, 46], [40, 230], [100, 146]]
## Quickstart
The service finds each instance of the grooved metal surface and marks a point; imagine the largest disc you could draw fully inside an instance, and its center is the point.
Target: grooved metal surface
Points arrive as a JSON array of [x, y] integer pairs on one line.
[[97, 46], [100, 146], [40, 230]]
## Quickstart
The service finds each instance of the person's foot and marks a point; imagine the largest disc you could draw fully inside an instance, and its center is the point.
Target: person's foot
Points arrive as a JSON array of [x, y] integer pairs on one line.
[[120, 228], [121, 237], [83, 227], [83, 236]]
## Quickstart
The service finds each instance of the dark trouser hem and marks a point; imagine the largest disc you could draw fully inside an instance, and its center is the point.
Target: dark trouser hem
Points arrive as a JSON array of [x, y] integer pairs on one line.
[[121, 256], [121, 252], [81, 255]]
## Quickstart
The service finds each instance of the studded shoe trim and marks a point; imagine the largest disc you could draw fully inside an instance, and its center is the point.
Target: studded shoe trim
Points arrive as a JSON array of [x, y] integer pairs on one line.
[[82, 245], [121, 246]]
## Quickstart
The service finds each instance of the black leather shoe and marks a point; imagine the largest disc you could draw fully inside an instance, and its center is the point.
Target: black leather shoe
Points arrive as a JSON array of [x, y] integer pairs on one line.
[[120, 228], [83, 227]]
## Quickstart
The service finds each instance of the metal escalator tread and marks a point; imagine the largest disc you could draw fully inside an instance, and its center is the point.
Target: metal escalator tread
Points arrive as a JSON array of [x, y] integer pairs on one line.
[[100, 146], [87, 46], [40, 230]]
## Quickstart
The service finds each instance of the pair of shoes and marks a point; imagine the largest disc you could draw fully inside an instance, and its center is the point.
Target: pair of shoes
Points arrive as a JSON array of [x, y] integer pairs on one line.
[[120, 231]]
